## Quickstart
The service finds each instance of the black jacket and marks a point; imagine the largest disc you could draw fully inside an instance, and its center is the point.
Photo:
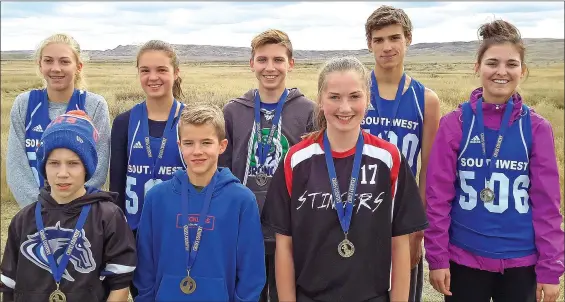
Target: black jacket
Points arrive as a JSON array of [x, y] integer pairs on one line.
[[106, 250]]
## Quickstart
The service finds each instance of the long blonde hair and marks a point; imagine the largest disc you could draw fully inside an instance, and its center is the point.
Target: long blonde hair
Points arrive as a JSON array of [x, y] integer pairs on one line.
[[79, 80], [341, 64]]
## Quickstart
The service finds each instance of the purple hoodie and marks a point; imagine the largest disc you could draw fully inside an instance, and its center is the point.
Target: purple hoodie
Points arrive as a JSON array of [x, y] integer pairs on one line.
[[544, 195]]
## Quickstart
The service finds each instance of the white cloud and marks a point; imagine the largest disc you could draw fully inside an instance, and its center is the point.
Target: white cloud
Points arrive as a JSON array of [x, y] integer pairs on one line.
[[310, 25], [91, 9]]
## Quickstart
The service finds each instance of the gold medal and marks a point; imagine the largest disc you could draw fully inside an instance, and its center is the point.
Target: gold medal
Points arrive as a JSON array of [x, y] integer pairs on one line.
[[188, 285], [346, 248], [487, 195], [57, 296], [261, 179]]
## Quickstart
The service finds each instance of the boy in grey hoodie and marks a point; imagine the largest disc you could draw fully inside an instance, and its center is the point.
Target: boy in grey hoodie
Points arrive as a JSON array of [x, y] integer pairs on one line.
[[263, 124]]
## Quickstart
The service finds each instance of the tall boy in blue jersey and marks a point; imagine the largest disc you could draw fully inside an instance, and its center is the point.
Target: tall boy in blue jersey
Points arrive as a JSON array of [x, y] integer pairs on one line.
[[402, 110], [200, 236]]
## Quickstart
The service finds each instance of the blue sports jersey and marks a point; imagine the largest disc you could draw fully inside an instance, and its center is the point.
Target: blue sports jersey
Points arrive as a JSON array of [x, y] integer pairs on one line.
[[142, 175], [502, 228], [37, 120], [406, 130]]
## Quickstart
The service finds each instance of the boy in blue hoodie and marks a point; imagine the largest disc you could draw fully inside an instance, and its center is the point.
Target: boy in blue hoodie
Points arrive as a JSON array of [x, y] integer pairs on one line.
[[200, 238]]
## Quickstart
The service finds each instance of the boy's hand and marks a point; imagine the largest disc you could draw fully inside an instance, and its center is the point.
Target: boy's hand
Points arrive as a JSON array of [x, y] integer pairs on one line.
[[550, 292], [440, 279]]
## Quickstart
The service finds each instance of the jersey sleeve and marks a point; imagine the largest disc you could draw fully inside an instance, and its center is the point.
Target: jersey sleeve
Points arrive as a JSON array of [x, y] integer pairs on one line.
[[276, 209], [119, 253], [408, 214]]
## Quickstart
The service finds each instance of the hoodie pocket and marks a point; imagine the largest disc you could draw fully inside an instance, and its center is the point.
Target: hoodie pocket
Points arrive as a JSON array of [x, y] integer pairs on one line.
[[207, 289]]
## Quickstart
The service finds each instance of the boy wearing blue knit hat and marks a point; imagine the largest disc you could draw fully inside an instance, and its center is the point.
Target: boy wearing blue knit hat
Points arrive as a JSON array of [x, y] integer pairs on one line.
[[73, 243]]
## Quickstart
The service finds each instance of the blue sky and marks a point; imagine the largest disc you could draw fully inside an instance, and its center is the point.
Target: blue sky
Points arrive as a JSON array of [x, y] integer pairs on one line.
[[310, 25]]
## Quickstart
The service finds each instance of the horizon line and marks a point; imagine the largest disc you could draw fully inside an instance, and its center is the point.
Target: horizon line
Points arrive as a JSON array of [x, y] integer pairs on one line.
[[248, 47]]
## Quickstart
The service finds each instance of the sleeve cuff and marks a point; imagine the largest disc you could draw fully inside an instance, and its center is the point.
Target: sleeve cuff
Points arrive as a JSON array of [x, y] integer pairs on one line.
[[276, 229], [411, 230], [438, 265], [118, 285], [547, 278]]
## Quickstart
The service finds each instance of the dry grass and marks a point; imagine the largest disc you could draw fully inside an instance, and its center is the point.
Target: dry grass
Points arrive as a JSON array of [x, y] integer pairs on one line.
[[217, 83]]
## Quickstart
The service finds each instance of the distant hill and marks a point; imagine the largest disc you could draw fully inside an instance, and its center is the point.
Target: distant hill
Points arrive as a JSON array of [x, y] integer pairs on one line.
[[536, 49]]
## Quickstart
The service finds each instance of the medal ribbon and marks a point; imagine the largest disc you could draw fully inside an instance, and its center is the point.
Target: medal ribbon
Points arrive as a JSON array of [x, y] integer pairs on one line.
[[501, 132], [163, 139], [264, 148], [76, 101], [193, 252], [57, 271], [376, 100], [344, 214]]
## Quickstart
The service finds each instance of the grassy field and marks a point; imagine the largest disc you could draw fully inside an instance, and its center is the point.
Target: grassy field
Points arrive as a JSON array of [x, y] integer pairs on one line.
[[217, 83]]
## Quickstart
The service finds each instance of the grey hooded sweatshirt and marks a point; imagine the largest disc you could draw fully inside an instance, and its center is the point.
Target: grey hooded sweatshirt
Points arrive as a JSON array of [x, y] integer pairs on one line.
[[240, 155]]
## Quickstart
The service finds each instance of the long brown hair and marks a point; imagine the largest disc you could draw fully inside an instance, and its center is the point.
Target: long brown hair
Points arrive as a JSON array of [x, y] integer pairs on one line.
[[168, 49]]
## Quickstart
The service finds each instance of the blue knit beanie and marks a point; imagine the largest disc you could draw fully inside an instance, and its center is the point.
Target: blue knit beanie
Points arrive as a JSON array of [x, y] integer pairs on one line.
[[74, 131]]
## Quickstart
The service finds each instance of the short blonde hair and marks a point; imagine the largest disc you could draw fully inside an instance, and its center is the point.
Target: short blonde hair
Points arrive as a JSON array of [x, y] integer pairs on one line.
[[79, 81], [271, 36], [202, 113]]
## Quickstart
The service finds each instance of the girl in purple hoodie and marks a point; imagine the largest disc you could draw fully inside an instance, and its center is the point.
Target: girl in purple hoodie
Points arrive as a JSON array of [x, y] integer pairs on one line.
[[493, 188]]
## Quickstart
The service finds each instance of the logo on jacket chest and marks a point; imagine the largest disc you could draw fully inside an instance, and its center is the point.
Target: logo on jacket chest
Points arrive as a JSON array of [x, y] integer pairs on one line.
[[278, 150], [58, 239], [193, 220]]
